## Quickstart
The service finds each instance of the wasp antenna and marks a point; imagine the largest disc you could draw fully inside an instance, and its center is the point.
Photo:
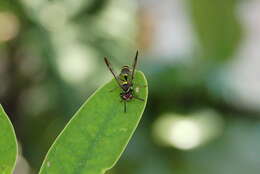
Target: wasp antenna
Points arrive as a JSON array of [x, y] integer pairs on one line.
[[106, 61], [111, 70], [136, 55], [134, 66]]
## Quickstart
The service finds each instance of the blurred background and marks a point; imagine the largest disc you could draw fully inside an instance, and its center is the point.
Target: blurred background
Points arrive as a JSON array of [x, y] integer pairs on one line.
[[201, 59]]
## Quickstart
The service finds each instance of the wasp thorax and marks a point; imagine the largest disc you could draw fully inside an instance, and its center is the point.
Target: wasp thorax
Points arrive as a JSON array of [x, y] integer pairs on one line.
[[125, 73]]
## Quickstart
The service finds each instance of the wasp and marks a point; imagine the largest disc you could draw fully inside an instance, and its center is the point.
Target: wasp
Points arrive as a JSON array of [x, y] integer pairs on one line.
[[125, 80]]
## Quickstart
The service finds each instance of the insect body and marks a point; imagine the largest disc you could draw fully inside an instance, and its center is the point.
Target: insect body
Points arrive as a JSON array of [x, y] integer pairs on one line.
[[125, 81]]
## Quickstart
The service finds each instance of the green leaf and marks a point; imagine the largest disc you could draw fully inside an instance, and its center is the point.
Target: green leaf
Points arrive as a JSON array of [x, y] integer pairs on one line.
[[98, 133], [8, 144]]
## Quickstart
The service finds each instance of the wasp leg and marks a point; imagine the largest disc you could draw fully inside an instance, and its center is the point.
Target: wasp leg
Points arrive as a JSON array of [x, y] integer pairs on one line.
[[125, 106], [137, 88], [111, 90], [140, 86], [138, 98]]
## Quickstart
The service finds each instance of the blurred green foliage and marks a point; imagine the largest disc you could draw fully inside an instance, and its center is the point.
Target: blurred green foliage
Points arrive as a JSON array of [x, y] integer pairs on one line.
[[217, 26]]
